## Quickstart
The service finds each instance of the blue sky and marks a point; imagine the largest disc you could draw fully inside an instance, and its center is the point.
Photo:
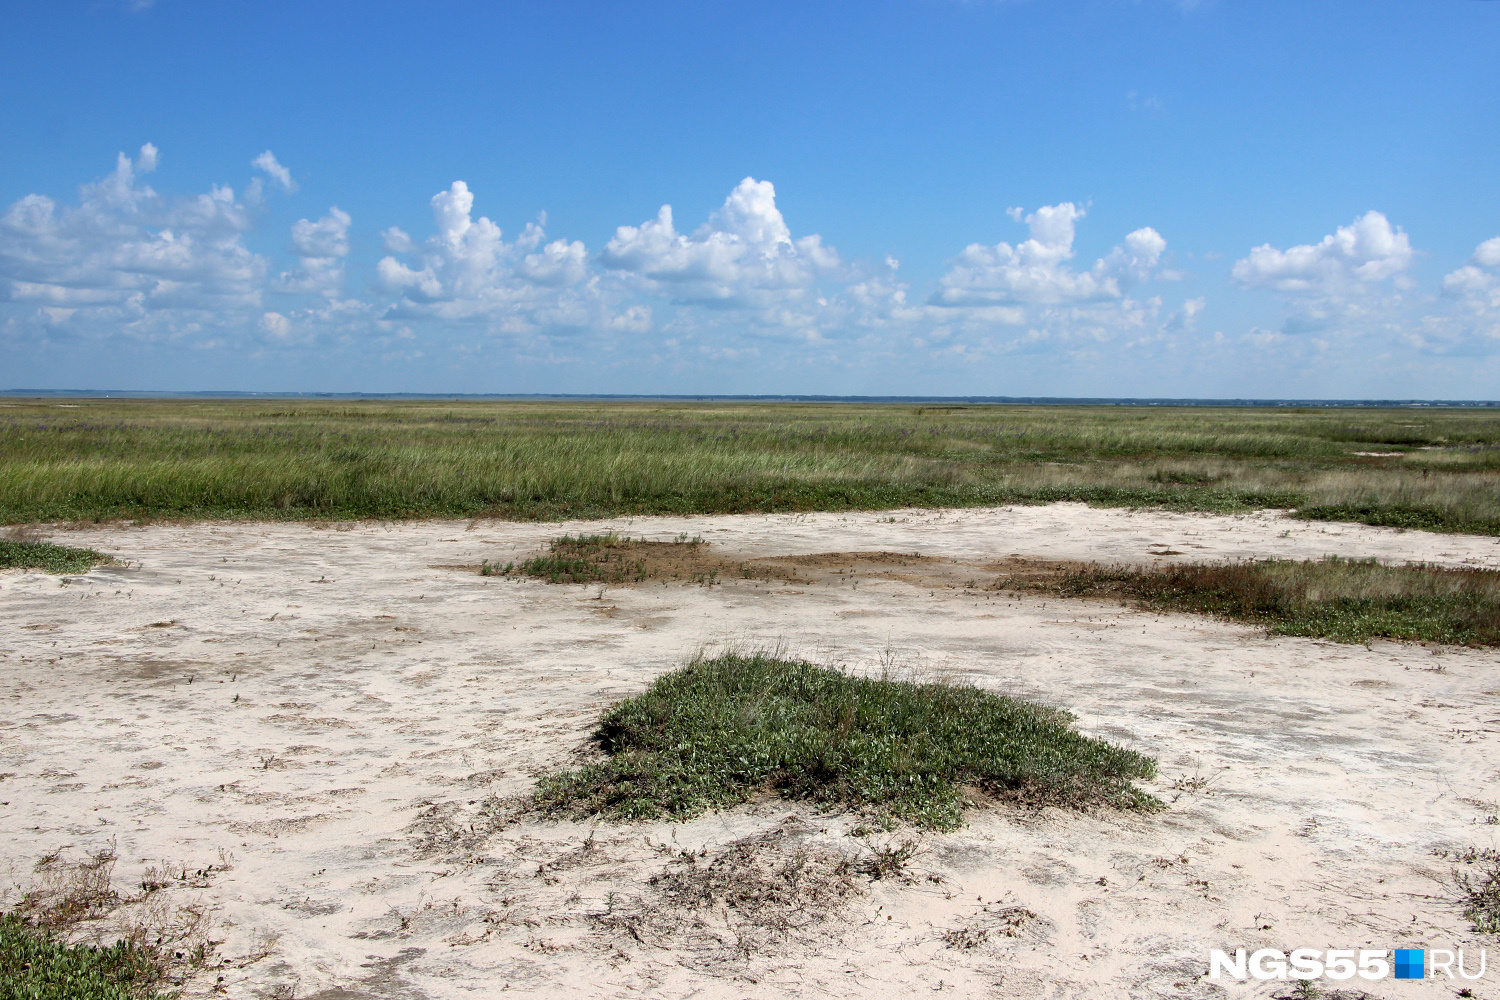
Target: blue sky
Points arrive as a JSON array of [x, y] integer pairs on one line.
[[1019, 197]]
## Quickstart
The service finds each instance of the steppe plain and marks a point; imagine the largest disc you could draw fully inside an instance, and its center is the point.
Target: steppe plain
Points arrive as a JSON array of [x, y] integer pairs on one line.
[[321, 727]]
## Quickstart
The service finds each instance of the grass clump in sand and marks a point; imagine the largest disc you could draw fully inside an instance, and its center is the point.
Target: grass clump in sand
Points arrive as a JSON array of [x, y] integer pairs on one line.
[[603, 558], [719, 731], [614, 558], [22, 550], [36, 964], [1347, 600]]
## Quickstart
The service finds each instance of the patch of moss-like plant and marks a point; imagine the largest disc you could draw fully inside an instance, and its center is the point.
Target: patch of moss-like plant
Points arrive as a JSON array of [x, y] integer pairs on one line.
[[37, 964], [47, 557], [719, 731]]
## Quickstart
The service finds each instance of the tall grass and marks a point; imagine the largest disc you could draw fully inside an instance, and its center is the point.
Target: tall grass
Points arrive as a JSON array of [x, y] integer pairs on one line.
[[191, 458], [717, 731]]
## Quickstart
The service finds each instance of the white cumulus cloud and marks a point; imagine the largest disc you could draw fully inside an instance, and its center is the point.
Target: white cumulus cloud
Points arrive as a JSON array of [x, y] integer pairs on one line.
[[1471, 323], [1367, 251], [466, 270], [1479, 279], [1036, 271], [1186, 318], [1350, 280], [743, 256]]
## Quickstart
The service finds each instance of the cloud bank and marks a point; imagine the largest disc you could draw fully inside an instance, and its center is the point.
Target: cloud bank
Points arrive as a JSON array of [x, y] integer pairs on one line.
[[124, 261], [125, 255]]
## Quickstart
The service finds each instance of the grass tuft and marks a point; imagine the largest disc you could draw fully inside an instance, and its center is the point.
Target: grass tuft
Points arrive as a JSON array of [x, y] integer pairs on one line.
[[158, 943], [1347, 600], [718, 731]]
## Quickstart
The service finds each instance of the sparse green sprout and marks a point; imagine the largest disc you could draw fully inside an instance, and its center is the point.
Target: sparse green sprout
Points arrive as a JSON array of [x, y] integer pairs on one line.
[[718, 731]]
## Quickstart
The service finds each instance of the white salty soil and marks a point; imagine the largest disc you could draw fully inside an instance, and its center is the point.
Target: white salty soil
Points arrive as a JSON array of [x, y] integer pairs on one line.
[[344, 711]]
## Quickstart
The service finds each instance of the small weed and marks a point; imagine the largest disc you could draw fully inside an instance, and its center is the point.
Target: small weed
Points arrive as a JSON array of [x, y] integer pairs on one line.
[[966, 938], [1182, 477], [1476, 878], [888, 861], [1006, 922], [616, 559], [66, 892]]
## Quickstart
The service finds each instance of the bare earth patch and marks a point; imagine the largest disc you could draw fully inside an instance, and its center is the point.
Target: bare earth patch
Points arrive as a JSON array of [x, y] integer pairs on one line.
[[352, 723]]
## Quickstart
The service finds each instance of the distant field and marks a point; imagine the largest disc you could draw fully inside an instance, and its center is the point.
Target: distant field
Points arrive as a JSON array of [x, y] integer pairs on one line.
[[93, 459]]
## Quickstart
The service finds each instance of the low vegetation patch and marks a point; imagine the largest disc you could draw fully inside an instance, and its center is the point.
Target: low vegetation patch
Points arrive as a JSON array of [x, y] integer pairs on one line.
[[602, 558], [157, 943], [618, 559], [1341, 599], [614, 558], [26, 553], [719, 731], [37, 964]]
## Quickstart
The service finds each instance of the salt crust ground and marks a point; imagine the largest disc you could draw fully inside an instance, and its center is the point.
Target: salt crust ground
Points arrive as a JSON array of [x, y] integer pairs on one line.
[[334, 708]]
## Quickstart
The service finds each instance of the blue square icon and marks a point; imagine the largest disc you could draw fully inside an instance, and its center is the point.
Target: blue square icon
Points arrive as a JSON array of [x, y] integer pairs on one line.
[[1410, 963]]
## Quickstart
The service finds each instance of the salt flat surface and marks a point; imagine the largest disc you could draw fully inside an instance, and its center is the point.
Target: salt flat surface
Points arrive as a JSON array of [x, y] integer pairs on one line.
[[339, 709]]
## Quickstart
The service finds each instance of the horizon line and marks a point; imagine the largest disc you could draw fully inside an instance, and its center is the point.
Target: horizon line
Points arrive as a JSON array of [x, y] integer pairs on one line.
[[755, 397]]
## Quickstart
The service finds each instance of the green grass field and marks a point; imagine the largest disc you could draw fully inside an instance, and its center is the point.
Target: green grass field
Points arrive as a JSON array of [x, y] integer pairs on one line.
[[91, 459]]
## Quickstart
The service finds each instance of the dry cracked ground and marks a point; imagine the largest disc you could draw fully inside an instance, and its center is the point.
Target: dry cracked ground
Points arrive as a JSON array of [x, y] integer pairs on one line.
[[309, 739]]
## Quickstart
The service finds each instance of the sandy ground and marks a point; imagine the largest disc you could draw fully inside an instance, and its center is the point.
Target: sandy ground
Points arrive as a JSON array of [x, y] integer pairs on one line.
[[339, 715]]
